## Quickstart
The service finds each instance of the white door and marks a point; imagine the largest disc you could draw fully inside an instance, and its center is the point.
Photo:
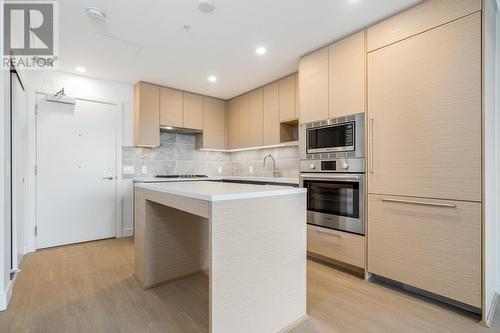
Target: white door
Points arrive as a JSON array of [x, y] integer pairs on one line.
[[19, 169], [76, 177]]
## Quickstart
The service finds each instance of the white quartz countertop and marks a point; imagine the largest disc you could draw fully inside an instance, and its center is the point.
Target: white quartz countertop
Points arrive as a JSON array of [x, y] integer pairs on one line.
[[215, 191], [254, 179]]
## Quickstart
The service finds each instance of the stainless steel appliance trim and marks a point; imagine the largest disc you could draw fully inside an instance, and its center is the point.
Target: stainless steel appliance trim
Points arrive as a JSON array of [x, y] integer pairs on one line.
[[358, 149], [337, 222], [343, 166], [314, 176], [425, 203], [326, 150], [371, 145]]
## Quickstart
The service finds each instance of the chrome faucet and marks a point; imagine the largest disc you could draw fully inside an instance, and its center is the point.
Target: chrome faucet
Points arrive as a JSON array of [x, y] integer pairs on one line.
[[275, 173]]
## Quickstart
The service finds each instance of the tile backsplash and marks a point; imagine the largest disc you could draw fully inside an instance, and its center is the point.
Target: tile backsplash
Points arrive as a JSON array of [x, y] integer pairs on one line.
[[177, 155]]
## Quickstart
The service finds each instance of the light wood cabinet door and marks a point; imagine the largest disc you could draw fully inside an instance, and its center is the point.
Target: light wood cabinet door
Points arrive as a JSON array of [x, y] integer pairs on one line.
[[271, 114], [192, 111], [146, 115], [337, 245], [256, 122], [170, 107], [214, 123], [313, 86], [243, 110], [288, 98], [434, 245], [233, 125], [347, 76], [420, 18], [424, 106]]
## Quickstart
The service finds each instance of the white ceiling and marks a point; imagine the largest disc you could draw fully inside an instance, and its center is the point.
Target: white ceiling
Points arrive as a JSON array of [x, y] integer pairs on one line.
[[144, 40]]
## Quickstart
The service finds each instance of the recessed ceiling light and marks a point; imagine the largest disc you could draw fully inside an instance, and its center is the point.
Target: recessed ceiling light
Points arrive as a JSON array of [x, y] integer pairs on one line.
[[96, 14], [260, 50], [212, 78], [186, 27], [80, 69], [206, 6]]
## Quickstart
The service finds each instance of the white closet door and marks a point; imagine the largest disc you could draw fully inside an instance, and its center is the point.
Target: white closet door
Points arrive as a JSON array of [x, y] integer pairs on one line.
[[76, 181], [19, 169]]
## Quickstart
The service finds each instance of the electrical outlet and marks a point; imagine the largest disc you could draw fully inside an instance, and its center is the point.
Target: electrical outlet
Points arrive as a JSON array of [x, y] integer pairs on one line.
[[250, 168], [129, 170], [219, 169], [144, 169]]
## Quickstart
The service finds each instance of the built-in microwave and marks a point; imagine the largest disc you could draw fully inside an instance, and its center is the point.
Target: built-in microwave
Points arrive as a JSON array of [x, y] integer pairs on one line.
[[344, 135]]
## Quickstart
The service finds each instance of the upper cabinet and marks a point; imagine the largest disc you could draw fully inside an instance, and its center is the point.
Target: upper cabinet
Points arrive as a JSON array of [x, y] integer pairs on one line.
[[256, 117], [347, 59], [192, 111], [265, 116], [423, 17], [332, 80], [156, 106], [146, 115], [170, 107], [214, 125], [239, 122], [313, 86], [272, 114], [288, 98], [233, 116], [243, 111]]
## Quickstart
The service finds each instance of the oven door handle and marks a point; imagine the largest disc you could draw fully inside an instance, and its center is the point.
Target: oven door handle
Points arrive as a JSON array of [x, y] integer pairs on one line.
[[336, 178]]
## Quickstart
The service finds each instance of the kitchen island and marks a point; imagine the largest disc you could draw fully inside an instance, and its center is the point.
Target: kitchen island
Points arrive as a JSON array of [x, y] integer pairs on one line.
[[249, 239]]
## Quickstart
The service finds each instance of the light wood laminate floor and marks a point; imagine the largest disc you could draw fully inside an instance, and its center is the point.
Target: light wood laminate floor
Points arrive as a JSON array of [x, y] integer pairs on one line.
[[89, 287]]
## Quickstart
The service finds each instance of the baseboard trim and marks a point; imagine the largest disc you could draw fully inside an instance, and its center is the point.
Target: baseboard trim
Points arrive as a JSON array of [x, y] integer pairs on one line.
[[7, 295], [127, 232], [295, 324], [489, 316]]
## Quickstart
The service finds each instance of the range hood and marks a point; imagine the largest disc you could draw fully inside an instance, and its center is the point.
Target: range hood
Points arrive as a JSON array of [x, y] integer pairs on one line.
[[180, 130]]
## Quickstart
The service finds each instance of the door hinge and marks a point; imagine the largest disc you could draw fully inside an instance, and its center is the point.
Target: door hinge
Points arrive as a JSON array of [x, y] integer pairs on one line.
[[36, 169], [36, 230]]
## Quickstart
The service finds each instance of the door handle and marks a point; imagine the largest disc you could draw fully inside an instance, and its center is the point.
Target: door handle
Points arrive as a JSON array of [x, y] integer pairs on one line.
[[371, 145], [108, 178], [424, 203]]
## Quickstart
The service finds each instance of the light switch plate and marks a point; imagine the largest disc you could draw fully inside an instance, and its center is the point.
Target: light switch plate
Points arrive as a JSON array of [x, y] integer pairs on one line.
[[144, 169], [128, 170], [219, 169], [250, 168]]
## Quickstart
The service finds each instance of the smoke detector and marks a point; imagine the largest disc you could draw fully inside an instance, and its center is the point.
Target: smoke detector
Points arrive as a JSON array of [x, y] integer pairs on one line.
[[96, 14], [206, 6]]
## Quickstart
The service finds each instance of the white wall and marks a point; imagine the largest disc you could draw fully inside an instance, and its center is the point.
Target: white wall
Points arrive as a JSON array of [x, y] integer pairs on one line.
[[490, 160], [82, 87], [4, 179], [497, 131]]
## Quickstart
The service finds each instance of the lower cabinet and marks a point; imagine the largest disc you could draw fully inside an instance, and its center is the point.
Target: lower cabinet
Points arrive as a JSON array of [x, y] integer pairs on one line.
[[434, 245], [337, 245]]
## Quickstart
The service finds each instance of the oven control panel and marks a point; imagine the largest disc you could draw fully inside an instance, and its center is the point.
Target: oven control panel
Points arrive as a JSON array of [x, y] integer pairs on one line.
[[339, 165]]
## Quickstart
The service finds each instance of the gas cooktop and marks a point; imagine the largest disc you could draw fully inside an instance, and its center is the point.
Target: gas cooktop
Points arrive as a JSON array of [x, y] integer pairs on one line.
[[181, 176]]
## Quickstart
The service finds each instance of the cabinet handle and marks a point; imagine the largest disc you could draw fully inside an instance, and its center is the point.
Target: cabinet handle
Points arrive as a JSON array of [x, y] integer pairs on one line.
[[329, 233], [420, 203], [371, 145]]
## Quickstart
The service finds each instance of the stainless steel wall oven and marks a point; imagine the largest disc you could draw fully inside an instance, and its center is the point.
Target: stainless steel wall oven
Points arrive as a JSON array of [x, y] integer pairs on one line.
[[332, 168]]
